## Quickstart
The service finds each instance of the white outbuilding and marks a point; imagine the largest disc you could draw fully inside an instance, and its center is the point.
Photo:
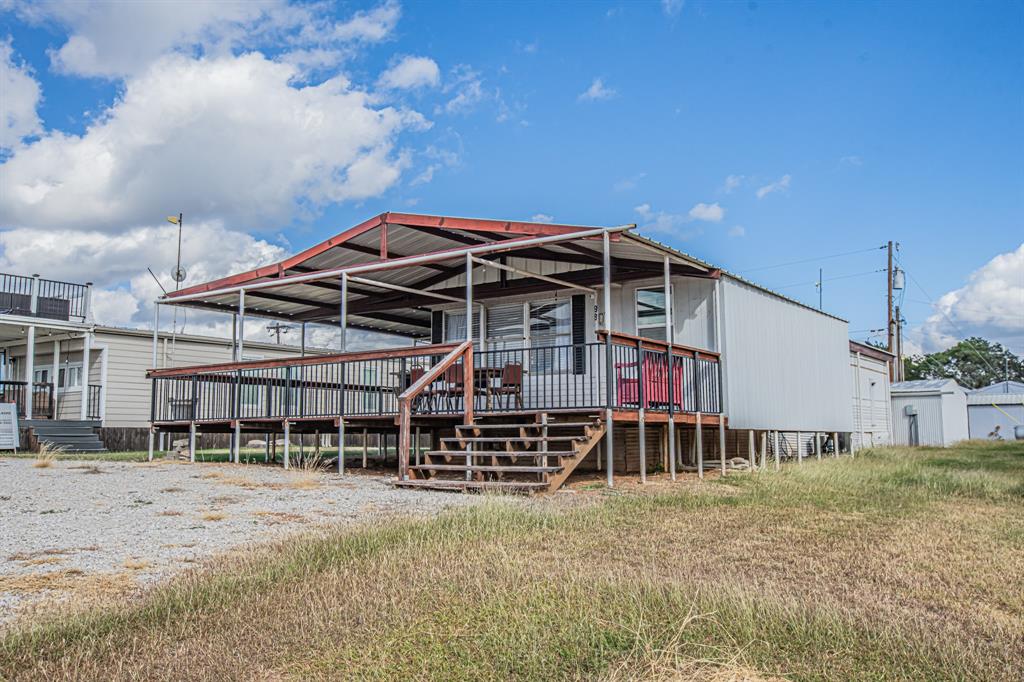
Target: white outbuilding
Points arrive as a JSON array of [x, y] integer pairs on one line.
[[929, 412], [996, 411], [872, 405]]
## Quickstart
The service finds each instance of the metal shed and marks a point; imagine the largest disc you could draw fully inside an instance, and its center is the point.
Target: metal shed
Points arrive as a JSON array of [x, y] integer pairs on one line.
[[929, 412], [996, 409]]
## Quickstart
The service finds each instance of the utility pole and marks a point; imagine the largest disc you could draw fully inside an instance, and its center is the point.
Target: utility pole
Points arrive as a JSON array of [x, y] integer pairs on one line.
[[820, 287], [899, 345], [278, 329], [888, 309]]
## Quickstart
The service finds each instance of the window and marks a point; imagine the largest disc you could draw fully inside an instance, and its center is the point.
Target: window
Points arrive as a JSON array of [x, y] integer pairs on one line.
[[70, 377], [455, 326], [505, 328], [41, 375], [650, 313], [550, 325]]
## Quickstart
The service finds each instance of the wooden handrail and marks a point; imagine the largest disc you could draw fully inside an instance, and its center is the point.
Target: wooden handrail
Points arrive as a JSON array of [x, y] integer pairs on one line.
[[655, 344], [405, 400], [358, 356]]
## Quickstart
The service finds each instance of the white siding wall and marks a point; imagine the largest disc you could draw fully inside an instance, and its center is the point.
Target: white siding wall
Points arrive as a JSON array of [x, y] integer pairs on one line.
[[929, 419], [787, 367], [871, 412], [693, 310], [954, 417]]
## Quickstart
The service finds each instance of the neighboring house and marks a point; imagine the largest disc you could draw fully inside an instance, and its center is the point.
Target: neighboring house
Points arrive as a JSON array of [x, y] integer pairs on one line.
[[999, 405], [929, 412], [872, 405], [568, 341], [116, 407]]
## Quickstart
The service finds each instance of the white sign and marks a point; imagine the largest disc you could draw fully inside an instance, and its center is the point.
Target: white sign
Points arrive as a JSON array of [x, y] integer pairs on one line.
[[8, 426]]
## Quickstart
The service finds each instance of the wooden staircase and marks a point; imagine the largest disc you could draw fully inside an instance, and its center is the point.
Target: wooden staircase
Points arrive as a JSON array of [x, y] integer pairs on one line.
[[510, 456]]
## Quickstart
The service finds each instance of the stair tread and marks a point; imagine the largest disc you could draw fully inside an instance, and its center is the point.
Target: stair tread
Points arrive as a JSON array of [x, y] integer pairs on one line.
[[503, 453], [528, 425], [511, 469], [447, 484]]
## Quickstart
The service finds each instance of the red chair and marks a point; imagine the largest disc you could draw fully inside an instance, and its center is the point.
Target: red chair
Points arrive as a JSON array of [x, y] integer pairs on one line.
[[511, 383]]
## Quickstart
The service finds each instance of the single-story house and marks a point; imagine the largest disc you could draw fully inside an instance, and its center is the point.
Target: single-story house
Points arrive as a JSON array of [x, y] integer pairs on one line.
[[531, 350], [929, 412]]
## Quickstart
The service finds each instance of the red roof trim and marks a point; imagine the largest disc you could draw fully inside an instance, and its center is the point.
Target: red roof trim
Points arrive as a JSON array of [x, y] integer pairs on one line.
[[277, 270]]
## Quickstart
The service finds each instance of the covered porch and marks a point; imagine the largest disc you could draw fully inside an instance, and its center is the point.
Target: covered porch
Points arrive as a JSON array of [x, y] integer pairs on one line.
[[500, 322]]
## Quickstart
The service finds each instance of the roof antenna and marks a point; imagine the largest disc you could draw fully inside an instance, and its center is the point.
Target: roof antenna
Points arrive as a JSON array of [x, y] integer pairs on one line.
[[157, 280]]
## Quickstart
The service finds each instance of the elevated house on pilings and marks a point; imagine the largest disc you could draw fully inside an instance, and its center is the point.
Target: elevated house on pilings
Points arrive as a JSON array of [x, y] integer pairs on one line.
[[530, 351]]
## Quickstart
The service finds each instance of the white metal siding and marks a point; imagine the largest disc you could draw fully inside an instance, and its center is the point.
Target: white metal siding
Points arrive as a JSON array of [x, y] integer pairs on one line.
[[954, 417], [983, 419], [873, 404], [929, 419], [787, 367]]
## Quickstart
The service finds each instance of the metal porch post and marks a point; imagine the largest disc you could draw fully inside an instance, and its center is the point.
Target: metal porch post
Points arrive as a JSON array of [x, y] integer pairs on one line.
[[241, 324], [287, 443], [641, 417], [468, 380], [817, 445], [799, 448], [775, 443], [343, 324], [670, 336], [609, 375], [30, 351]]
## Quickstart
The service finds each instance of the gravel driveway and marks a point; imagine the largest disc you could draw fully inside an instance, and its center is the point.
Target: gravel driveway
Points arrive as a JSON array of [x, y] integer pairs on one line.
[[109, 527]]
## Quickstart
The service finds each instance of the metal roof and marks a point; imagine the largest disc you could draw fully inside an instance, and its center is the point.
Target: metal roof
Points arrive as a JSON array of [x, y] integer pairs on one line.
[[976, 398], [1001, 387], [397, 248], [926, 386]]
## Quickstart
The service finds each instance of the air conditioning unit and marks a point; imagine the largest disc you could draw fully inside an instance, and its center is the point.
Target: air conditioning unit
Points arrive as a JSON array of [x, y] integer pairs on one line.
[[910, 411]]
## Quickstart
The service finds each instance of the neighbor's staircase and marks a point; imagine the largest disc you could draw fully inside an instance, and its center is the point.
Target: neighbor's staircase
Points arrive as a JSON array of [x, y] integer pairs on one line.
[[512, 456], [68, 436]]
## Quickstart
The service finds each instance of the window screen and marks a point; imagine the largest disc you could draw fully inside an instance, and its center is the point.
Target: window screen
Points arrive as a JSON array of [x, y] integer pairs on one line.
[[650, 313], [505, 328]]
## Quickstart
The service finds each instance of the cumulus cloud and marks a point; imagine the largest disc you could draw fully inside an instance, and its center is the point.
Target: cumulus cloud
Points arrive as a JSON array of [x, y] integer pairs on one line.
[[19, 97], [990, 305], [629, 183], [226, 138], [410, 72], [672, 8], [737, 231], [777, 186], [111, 39], [675, 224], [116, 263], [712, 213], [597, 90], [466, 88], [542, 218]]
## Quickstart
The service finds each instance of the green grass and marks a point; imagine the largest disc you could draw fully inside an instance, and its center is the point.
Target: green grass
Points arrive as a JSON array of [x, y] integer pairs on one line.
[[897, 564]]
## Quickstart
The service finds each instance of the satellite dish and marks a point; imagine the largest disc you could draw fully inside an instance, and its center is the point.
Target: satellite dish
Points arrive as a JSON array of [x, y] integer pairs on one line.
[[178, 274]]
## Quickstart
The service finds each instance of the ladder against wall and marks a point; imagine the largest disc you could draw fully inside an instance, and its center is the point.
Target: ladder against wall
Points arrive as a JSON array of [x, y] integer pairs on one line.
[[508, 454]]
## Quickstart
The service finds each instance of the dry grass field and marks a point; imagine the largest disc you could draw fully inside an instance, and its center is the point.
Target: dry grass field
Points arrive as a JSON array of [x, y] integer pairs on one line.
[[897, 564]]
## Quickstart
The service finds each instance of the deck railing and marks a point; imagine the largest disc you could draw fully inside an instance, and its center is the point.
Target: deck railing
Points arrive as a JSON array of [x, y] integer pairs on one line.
[[370, 384], [42, 398], [55, 300], [94, 396]]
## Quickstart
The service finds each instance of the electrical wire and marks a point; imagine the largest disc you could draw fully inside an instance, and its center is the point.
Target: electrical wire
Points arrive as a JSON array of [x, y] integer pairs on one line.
[[810, 260], [830, 279]]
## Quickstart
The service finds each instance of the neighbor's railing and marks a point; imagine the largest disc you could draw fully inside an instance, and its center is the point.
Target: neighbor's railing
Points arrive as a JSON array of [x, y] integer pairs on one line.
[[55, 300], [42, 398], [94, 398]]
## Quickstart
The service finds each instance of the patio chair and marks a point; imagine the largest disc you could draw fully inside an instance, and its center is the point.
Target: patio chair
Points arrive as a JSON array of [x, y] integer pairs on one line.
[[511, 384], [451, 389]]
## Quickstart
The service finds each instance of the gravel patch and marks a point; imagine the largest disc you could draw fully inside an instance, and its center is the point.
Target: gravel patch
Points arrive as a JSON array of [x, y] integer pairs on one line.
[[117, 524]]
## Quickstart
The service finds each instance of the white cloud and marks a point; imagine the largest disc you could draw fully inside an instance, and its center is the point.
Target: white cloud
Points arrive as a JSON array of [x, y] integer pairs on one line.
[[629, 183], [777, 186], [542, 218], [597, 90], [468, 89], [990, 305], [225, 138], [731, 183], [116, 263], [19, 97], [410, 72], [851, 161], [672, 8], [111, 39], [674, 224], [712, 213], [737, 231]]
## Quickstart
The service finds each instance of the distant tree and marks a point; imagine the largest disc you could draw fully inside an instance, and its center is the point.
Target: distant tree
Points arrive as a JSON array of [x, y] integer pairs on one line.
[[973, 363]]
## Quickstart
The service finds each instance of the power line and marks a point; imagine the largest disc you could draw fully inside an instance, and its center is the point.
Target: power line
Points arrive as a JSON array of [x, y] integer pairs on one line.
[[811, 260], [831, 279]]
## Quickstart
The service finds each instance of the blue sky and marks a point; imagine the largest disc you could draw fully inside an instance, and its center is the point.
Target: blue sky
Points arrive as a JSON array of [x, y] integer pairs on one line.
[[749, 134]]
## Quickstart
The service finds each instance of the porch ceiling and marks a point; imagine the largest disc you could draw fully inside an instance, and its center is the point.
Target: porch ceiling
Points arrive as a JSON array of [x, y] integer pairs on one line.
[[578, 261]]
